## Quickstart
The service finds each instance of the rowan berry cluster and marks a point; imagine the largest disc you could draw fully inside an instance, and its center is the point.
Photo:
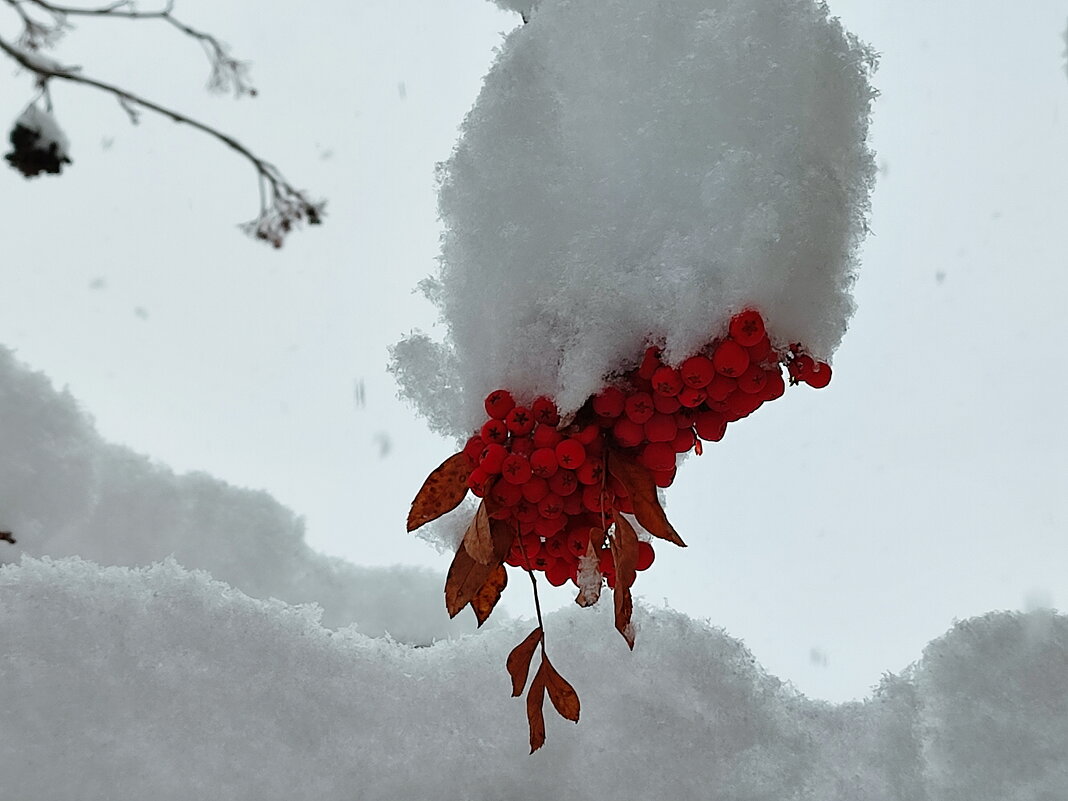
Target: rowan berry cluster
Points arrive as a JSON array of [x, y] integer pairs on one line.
[[551, 482]]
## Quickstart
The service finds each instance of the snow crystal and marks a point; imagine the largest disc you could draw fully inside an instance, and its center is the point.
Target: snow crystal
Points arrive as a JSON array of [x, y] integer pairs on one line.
[[636, 171], [116, 682], [64, 491]]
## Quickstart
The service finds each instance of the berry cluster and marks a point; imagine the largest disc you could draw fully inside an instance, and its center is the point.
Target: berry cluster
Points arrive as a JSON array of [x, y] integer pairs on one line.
[[551, 483]]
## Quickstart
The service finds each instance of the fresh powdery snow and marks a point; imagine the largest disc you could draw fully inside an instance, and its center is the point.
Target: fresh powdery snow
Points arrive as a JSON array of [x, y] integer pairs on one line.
[[633, 172]]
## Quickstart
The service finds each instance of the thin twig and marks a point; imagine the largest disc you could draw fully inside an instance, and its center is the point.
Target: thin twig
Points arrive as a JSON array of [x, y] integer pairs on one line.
[[534, 584]]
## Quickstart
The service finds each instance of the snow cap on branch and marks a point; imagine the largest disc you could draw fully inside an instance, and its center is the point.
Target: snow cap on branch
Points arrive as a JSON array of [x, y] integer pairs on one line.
[[634, 172]]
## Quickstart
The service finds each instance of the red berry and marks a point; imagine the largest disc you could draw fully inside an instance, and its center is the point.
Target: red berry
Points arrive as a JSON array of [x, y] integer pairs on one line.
[[492, 458], [542, 560], [473, 449], [524, 446], [711, 426], [776, 386], [666, 404], [741, 405], [645, 555], [667, 381], [658, 456], [520, 420], [684, 440], [800, 368], [721, 387], [504, 494], [590, 472], [761, 351], [499, 403], [578, 539], [535, 488], [594, 498], [692, 398], [494, 431], [526, 512], [545, 412], [663, 478], [650, 362], [747, 328], [546, 437], [549, 526], [563, 482], [627, 432], [479, 481], [608, 403], [558, 572], [543, 462], [730, 359], [606, 563], [588, 434], [753, 380], [551, 505], [639, 407], [516, 469], [697, 371], [573, 503], [570, 453], [660, 428], [557, 546], [819, 376]]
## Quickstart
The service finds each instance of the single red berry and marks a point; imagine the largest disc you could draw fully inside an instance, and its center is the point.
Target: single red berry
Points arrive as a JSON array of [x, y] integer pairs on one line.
[[535, 488], [747, 328], [570, 453], [494, 431], [558, 572], [692, 398], [578, 540], [660, 428], [516, 469], [711, 426], [556, 546], [800, 368], [645, 555], [627, 432], [741, 405], [667, 381], [658, 456], [550, 526], [753, 380], [666, 404], [650, 362], [730, 359], [479, 481], [526, 512], [492, 458], [639, 407], [776, 386], [684, 440], [697, 371], [721, 387], [606, 563], [594, 498], [590, 472], [552, 505], [563, 482], [545, 437], [609, 402], [573, 503], [499, 403], [541, 561], [587, 434], [819, 376], [473, 449], [520, 420], [524, 446], [761, 351], [543, 462], [545, 412], [664, 478], [505, 494]]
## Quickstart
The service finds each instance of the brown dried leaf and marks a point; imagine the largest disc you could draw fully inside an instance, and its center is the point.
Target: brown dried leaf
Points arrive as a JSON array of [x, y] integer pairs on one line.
[[442, 491], [561, 693], [535, 715], [519, 661], [467, 576], [478, 539], [489, 593], [624, 544], [642, 488]]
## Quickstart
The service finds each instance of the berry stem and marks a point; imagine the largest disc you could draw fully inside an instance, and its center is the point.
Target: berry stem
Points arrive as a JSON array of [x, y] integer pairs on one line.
[[537, 600]]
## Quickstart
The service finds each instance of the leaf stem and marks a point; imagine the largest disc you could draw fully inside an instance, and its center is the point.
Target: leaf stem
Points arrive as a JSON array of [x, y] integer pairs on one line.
[[534, 584]]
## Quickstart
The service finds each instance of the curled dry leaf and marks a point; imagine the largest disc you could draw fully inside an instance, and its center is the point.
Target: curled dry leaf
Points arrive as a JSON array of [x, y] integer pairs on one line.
[[589, 573], [535, 715], [478, 539], [489, 594], [519, 661], [642, 489], [467, 576], [442, 491], [561, 693], [624, 544]]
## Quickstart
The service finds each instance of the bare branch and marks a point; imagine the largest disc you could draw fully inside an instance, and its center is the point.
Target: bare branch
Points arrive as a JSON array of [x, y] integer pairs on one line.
[[288, 206]]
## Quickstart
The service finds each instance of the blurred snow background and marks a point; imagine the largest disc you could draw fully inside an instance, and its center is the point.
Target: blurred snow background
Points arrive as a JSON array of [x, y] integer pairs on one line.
[[923, 486]]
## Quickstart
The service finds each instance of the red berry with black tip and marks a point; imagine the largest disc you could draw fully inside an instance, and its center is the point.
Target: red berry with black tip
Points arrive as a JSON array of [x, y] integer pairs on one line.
[[515, 469], [639, 407], [520, 420], [667, 381], [570, 453], [499, 403], [494, 431], [747, 328], [730, 359], [697, 371], [608, 403], [543, 462], [545, 412], [819, 376]]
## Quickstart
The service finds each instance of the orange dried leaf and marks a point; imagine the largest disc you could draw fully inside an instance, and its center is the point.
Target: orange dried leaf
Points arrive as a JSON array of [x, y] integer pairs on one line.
[[478, 539], [624, 544], [489, 593], [442, 491], [641, 486], [519, 661], [561, 693], [535, 715], [467, 576]]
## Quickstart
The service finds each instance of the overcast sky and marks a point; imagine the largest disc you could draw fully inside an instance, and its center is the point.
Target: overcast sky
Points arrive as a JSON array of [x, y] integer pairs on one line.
[[924, 485]]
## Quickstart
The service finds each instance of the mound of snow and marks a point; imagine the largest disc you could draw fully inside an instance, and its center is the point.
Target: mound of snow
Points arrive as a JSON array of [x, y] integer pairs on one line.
[[637, 171]]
